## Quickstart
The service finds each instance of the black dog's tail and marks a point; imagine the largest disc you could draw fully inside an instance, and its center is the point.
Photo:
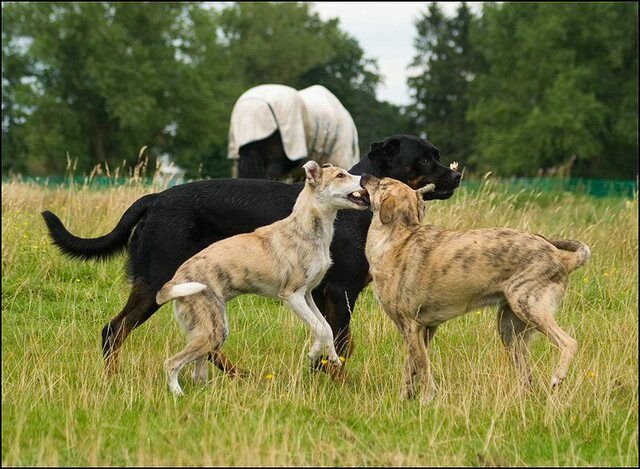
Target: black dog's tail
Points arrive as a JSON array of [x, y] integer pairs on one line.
[[104, 246]]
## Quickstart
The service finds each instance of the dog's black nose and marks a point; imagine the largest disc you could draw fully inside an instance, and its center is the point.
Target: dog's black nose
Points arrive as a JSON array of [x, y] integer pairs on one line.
[[457, 177], [364, 177]]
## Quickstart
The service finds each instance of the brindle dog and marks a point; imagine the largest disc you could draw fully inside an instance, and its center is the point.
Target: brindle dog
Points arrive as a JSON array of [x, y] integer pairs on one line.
[[425, 275]]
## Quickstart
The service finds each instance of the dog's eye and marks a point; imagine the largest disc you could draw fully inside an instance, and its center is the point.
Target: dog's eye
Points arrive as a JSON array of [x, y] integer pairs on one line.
[[340, 175]]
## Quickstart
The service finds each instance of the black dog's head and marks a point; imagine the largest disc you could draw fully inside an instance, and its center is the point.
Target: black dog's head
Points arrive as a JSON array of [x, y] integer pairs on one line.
[[416, 162]]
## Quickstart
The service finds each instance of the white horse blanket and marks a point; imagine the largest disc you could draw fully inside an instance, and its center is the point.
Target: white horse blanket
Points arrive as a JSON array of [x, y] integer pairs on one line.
[[312, 122]]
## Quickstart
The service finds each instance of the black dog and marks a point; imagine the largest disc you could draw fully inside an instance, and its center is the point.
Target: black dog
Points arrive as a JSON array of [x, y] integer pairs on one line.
[[173, 225]]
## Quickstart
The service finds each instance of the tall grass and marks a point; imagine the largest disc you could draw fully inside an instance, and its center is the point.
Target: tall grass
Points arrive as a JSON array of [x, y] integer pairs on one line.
[[59, 409]]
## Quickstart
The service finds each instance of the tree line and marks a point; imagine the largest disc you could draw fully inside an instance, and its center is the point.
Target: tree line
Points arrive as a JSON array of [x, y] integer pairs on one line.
[[515, 88], [523, 88]]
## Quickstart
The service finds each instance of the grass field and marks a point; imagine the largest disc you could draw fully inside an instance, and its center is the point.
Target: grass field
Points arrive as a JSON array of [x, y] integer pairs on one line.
[[58, 408]]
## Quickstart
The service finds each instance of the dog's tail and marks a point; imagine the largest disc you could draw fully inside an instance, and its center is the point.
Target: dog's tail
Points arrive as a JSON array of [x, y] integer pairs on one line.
[[574, 253], [171, 291], [104, 246]]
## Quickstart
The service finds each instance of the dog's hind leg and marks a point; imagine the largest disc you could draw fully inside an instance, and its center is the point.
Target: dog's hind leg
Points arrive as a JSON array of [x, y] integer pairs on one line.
[[205, 323], [140, 306], [515, 336], [540, 312], [199, 345]]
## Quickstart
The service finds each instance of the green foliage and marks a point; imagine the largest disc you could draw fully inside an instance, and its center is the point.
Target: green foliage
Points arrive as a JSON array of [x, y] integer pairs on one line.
[[558, 80], [275, 43], [527, 86], [101, 80], [445, 63], [520, 87]]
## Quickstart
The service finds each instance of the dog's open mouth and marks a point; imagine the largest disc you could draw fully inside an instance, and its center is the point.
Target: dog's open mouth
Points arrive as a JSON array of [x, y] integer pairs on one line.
[[360, 198]]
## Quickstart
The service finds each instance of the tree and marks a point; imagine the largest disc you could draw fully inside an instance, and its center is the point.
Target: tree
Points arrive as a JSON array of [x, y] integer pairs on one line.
[[446, 63], [560, 80], [98, 81]]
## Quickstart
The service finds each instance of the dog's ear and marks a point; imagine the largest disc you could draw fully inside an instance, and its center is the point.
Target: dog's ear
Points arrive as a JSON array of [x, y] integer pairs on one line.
[[313, 172], [384, 152], [375, 146], [387, 209]]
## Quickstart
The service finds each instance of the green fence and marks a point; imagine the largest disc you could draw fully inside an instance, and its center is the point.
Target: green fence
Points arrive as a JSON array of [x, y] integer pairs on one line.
[[593, 187], [93, 182]]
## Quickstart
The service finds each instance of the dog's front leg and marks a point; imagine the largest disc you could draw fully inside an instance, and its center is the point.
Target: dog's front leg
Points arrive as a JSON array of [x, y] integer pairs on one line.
[[336, 373], [318, 325], [329, 343], [409, 378], [417, 367], [335, 309]]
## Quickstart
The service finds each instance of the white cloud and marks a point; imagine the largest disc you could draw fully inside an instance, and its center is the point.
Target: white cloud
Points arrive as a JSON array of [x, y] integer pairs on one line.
[[385, 31]]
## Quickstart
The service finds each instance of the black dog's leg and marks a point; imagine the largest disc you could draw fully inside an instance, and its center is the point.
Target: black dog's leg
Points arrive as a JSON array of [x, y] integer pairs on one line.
[[140, 306]]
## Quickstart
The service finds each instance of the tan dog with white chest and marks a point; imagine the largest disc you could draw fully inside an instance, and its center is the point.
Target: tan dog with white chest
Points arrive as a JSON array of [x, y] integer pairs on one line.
[[286, 260], [425, 275]]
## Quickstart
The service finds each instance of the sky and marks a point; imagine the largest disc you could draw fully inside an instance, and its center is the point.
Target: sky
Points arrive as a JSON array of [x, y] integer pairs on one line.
[[385, 31]]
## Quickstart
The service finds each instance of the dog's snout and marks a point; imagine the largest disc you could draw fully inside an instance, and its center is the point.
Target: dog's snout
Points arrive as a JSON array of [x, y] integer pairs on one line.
[[457, 177]]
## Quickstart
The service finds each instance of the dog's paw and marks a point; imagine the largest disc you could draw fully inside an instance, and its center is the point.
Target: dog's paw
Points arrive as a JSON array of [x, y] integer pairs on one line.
[[238, 373], [427, 397], [315, 359], [338, 375], [319, 366], [556, 382], [324, 365], [200, 376], [335, 361]]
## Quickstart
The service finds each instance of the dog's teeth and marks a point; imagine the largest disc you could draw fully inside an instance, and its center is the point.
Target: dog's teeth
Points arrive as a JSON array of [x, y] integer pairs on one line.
[[356, 194]]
